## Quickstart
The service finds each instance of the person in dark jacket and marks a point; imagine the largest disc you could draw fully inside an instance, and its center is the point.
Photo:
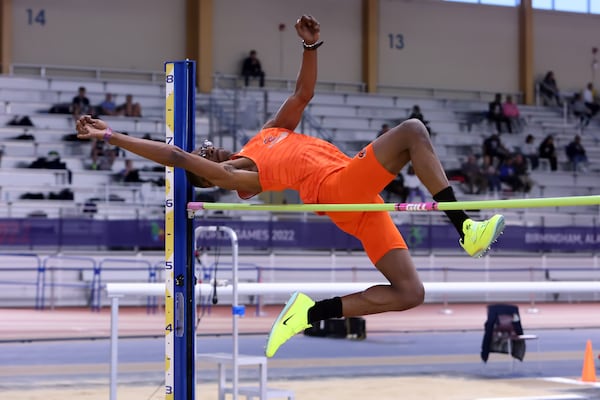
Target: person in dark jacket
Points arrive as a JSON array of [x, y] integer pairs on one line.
[[548, 151], [496, 114], [251, 68], [576, 154]]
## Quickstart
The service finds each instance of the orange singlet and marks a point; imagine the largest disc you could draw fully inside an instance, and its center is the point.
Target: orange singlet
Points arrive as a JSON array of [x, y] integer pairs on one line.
[[321, 173]]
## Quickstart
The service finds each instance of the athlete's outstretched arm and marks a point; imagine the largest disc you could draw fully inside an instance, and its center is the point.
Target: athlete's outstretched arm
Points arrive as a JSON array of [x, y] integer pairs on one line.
[[289, 114], [219, 174]]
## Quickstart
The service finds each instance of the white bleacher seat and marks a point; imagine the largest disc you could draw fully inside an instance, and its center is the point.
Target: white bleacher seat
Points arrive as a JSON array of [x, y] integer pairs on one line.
[[384, 113], [32, 177], [14, 82], [152, 112], [26, 108], [154, 101], [46, 208], [445, 127], [40, 135], [122, 124], [88, 178], [72, 86], [28, 95], [344, 136], [370, 100], [331, 110], [433, 115], [425, 104], [118, 210], [135, 89], [54, 121], [351, 122], [152, 125], [322, 98]]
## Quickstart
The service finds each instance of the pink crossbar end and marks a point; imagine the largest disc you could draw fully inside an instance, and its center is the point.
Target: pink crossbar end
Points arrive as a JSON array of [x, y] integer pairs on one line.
[[428, 206], [195, 206]]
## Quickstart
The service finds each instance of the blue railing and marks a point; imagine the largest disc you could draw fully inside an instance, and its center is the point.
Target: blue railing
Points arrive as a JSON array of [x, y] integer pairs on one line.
[[36, 268], [89, 275], [84, 263], [133, 270]]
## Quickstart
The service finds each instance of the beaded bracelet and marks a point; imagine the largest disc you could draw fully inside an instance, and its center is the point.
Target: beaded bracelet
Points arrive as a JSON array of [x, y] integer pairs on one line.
[[313, 46], [107, 134]]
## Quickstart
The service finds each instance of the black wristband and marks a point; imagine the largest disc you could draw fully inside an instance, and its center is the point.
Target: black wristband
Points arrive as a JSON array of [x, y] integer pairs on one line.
[[313, 46]]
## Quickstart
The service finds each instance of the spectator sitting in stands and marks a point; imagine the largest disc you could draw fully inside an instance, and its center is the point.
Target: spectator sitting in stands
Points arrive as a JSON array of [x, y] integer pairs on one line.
[[530, 152], [580, 110], [129, 173], [509, 176], [514, 173], [384, 129], [397, 188], [251, 68], [549, 90], [108, 106], [129, 108], [511, 111], [496, 114], [416, 113], [494, 150], [475, 179], [492, 175], [103, 156], [576, 154], [80, 104], [591, 99], [413, 184], [548, 151], [522, 171]]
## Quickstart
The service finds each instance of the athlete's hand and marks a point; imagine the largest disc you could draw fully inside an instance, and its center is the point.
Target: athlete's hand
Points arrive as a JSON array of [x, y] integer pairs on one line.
[[90, 128], [308, 29]]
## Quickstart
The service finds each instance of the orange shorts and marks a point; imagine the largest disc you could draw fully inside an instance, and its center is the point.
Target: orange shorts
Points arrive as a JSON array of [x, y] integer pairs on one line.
[[360, 182]]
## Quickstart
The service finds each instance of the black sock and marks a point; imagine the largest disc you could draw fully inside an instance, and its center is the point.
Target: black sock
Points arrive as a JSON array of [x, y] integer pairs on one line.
[[325, 309], [456, 217]]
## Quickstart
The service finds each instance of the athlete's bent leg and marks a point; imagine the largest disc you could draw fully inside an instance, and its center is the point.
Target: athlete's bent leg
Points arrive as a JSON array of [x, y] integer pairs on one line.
[[405, 290], [410, 142]]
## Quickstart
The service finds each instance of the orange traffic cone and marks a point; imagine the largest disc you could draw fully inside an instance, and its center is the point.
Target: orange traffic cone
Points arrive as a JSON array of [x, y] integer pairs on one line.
[[588, 373]]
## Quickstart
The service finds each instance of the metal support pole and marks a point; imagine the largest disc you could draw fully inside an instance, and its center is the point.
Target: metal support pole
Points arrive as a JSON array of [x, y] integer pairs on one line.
[[236, 310], [114, 344]]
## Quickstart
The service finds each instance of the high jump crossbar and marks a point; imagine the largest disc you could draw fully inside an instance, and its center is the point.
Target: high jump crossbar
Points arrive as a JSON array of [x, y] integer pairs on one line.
[[570, 201]]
